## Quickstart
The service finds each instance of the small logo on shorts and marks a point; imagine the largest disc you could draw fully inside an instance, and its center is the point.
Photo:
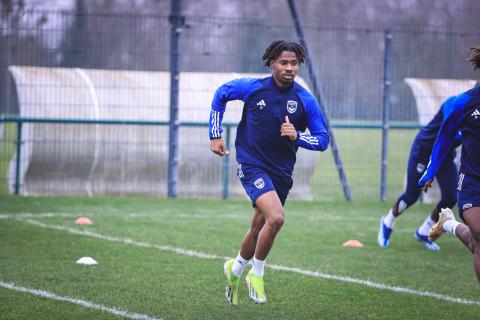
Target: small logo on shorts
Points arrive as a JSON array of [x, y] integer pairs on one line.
[[420, 167], [291, 106], [259, 183], [467, 206]]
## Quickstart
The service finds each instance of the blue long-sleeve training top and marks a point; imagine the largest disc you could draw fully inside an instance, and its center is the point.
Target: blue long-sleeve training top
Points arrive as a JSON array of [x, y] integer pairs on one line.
[[258, 140], [466, 118]]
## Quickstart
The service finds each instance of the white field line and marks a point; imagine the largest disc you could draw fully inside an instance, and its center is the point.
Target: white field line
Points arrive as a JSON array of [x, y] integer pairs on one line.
[[377, 285], [84, 303], [185, 216], [341, 218], [180, 251], [237, 216], [39, 215], [198, 216], [316, 274]]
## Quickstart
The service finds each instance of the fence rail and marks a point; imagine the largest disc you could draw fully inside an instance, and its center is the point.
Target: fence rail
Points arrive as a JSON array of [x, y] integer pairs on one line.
[[228, 126], [19, 121], [348, 59]]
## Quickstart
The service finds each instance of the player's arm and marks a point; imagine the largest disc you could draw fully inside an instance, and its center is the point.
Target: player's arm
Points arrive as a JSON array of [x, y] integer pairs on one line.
[[445, 139], [457, 141], [318, 138], [233, 90], [447, 108]]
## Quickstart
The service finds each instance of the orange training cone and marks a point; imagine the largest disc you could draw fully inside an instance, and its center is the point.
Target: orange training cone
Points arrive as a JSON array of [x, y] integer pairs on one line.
[[353, 244], [83, 220]]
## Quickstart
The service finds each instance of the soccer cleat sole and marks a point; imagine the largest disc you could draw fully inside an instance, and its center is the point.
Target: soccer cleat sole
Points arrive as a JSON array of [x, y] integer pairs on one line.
[[436, 231], [228, 289], [228, 294]]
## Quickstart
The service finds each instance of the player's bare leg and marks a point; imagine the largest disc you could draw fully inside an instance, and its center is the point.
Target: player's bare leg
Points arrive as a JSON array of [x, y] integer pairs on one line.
[[249, 241], [470, 235], [434, 214], [233, 268], [268, 227], [270, 208]]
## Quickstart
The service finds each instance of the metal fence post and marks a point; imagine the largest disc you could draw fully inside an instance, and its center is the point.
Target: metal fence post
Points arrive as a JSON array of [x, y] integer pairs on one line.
[[176, 22], [387, 83], [319, 96], [226, 164], [19, 155], [7, 108]]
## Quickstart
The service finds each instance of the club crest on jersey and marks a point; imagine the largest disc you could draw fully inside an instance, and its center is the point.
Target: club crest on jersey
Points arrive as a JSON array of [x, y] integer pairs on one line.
[[291, 106], [259, 183]]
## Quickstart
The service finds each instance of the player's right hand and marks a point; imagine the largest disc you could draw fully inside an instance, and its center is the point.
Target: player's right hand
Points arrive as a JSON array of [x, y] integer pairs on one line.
[[427, 185], [218, 146]]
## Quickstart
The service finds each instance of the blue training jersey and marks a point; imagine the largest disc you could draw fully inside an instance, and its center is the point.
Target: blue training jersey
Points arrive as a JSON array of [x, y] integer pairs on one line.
[[426, 136], [258, 140], [466, 117]]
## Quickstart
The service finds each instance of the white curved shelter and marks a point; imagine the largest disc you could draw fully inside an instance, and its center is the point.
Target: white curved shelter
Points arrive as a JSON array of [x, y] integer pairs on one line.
[[94, 159], [431, 93]]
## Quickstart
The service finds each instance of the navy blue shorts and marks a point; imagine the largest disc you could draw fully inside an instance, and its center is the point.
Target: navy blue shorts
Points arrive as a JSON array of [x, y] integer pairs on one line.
[[256, 182], [468, 193], [446, 178]]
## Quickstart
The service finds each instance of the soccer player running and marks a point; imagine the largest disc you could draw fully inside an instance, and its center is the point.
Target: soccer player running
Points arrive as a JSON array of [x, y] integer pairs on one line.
[[276, 113], [417, 163], [466, 117]]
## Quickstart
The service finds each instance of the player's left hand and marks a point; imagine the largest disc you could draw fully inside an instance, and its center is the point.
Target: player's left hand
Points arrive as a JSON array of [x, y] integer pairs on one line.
[[427, 185], [288, 130]]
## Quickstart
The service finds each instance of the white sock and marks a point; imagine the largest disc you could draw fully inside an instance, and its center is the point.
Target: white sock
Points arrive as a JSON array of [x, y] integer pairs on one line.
[[389, 219], [239, 265], [258, 266], [450, 226], [426, 226]]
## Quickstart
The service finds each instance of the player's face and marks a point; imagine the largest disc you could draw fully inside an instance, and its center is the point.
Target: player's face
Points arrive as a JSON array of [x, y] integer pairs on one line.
[[285, 68]]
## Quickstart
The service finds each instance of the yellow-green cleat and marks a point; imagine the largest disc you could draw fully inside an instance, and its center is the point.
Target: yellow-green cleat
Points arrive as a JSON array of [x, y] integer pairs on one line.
[[255, 288], [232, 282]]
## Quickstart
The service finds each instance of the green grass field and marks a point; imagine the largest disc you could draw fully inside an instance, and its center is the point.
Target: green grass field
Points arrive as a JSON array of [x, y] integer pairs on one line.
[[360, 151], [144, 266], [7, 148]]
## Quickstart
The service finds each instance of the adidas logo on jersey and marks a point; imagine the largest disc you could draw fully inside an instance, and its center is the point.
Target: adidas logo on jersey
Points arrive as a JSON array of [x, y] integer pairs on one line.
[[261, 104], [475, 113]]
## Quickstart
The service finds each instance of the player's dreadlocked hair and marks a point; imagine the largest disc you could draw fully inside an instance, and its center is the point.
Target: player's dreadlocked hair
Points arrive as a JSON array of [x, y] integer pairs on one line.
[[277, 47], [475, 57]]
